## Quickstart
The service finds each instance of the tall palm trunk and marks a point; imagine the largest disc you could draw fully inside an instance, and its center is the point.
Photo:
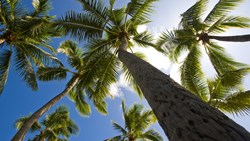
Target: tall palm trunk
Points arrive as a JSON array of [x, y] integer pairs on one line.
[[237, 38], [19, 136], [181, 114]]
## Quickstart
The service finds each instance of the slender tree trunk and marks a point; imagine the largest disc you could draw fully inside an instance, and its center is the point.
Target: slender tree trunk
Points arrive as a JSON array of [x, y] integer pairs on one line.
[[19, 136], [237, 38], [181, 114]]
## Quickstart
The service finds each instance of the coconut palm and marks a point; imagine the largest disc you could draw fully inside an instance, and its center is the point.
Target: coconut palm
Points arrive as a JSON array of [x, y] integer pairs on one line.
[[77, 94], [137, 120], [226, 92], [22, 35], [57, 126], [111, 31], [193, 37]]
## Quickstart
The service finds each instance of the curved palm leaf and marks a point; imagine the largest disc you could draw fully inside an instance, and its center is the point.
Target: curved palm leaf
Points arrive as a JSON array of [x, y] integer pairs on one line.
[[80, 104], [25, 68], [221, 9], [238, 103], [4, 68], [152, 135], [41, 7], [192, 76], [50, 73]]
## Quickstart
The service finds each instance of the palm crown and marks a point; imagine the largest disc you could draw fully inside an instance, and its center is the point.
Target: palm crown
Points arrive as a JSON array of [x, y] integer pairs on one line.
[[192, 34], [137, 121], [104, 27], [23, 32], [57, 126]]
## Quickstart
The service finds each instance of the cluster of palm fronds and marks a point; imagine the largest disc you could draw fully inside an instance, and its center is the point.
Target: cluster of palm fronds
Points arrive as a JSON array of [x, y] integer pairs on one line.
[[194, 36], [103, 28]]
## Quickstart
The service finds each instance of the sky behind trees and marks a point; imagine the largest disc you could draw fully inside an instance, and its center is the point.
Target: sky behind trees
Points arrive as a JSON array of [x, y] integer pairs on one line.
[[18, 100]]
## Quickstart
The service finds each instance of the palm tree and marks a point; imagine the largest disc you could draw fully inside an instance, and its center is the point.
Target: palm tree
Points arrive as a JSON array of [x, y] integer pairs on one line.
[[137, 121], [76, 93], [182, 115], [192, 37], [57, 126], [22, 34], [226, 92]]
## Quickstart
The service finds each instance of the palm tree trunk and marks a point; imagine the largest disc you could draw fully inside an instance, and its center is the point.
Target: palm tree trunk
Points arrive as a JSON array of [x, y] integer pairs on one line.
[[237, 38], [19, 136], [181, 114]]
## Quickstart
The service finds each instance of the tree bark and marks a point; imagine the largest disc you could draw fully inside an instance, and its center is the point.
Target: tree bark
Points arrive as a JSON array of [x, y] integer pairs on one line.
[[19, 136], [237, 38], [181, 114]]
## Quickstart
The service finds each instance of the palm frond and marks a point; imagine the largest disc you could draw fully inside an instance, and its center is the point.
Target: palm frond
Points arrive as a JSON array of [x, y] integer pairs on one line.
[[220, 60], [144, 39], [116, 138], [96, 9], [238, 103], [5, 58], [80, 25], [41, 7], [192, 76], [25, 69], [107, 74], [119, 128], [117, 17], [165, 40], [101, 106], [234, 78], [81, 105], [227, 22], [221, 9], [140, 10], [151, 135], [174, 43], [39, 56], [74, 53], [51, 73], [192, 16]]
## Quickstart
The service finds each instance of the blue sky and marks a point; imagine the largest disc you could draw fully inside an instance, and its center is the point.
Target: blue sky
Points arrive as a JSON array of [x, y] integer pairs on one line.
[[17, 100]]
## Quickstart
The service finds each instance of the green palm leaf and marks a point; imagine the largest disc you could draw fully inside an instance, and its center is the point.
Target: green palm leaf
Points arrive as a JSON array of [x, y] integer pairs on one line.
[[144, 39], [140, 10], [51, 73], [119, 128], [221, 9], [74, 53], [221, 61], [81, 25], [5, 58], [96, 9], [107, 74], [192, 77], [116, 138], [192, 16], [39, 56], [227, 22], [152, 135], [238, 103], [41, 7], [24, 66], [80, 104], [234, 78]]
